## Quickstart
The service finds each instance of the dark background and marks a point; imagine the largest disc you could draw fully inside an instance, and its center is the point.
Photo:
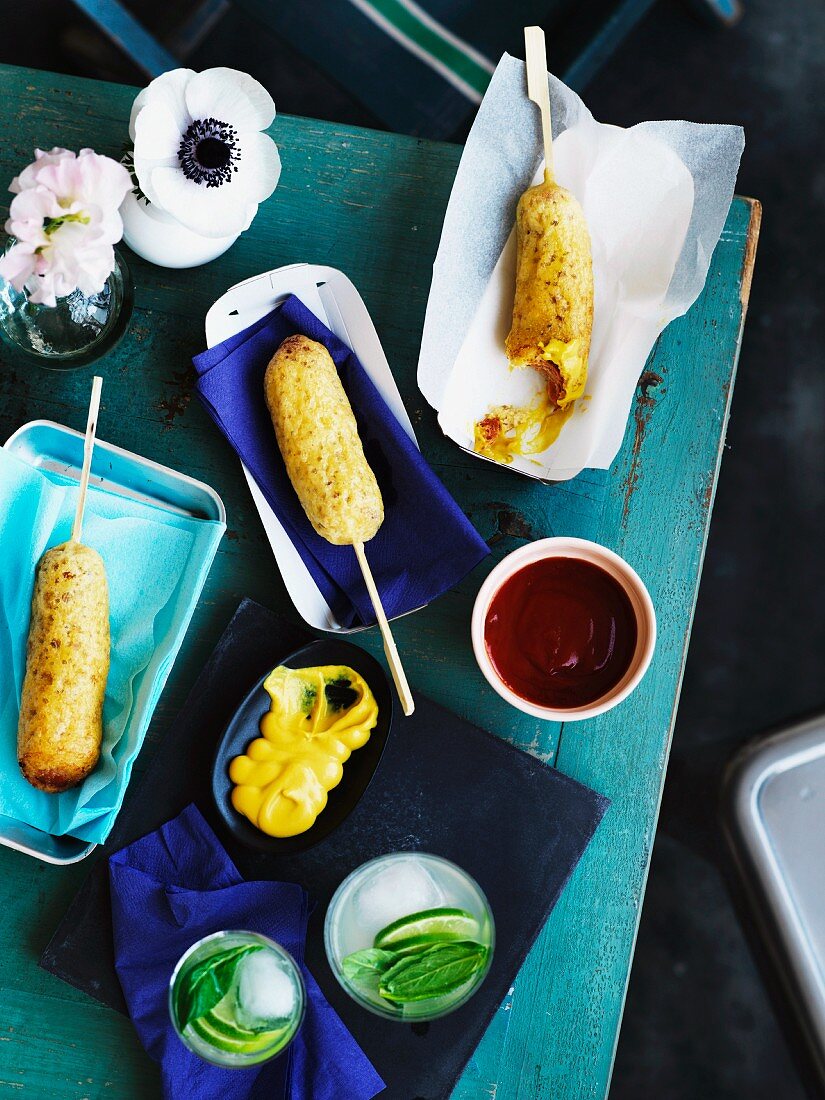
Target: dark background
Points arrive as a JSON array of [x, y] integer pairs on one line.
[[698, 1022]]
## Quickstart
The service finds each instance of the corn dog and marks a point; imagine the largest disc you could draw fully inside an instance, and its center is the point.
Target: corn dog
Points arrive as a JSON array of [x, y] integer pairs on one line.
[[553, 305], [318, 438], [60, 728]]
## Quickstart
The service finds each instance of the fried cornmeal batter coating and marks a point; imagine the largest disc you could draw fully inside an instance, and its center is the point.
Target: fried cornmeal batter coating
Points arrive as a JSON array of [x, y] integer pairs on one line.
[[60, 728], [318, 438], [553, 304]]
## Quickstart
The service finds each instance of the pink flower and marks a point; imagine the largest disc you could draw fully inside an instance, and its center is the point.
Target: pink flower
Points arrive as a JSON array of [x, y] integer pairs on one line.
[[65, 219]]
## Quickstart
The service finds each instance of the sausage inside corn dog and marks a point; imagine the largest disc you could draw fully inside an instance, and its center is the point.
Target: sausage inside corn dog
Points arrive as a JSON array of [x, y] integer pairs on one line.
[[318, 437], [60, 728]]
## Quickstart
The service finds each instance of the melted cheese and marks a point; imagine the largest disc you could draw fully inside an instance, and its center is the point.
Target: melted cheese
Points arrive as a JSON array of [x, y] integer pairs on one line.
[[317, 718], [571, 364], [510, 430]]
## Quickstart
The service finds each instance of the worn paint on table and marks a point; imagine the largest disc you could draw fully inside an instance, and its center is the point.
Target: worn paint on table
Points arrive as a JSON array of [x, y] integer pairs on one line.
[[372, 204]]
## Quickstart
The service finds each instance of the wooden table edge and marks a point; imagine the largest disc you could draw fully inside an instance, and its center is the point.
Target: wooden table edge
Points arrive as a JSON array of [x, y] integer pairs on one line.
[[748, 264]]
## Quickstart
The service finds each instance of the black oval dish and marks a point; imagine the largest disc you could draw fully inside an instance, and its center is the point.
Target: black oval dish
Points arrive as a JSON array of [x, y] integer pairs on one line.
[[358, 770]]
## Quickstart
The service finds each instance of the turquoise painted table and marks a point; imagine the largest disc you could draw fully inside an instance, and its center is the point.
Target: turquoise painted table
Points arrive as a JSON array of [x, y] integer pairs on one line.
[[372, 204]]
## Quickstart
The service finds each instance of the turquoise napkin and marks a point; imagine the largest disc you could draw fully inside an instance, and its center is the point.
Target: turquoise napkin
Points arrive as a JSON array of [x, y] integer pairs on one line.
[[156, 563]]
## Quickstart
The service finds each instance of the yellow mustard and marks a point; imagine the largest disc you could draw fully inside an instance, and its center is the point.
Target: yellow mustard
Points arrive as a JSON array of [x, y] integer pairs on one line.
[[509, 430], [317, 718]]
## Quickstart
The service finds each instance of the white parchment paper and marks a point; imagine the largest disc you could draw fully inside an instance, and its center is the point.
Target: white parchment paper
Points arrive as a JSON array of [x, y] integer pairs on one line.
[[655, 198]]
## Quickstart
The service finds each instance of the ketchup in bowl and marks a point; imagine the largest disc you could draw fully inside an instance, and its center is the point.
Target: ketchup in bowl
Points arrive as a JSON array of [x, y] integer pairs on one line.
[[561, 632]]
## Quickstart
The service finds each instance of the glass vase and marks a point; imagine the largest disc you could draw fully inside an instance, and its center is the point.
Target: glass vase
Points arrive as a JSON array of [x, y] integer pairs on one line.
[[73, 333]]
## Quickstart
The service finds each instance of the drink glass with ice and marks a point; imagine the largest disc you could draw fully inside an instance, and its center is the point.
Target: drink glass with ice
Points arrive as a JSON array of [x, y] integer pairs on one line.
[[261, 999], [385, 890]]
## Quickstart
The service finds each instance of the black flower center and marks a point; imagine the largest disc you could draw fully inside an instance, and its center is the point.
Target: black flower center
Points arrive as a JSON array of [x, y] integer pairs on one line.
[[208, 152], [213, 153]]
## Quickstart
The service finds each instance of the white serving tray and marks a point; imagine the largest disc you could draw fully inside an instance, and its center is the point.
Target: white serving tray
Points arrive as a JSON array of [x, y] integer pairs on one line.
[[330, 295], [52, 447]]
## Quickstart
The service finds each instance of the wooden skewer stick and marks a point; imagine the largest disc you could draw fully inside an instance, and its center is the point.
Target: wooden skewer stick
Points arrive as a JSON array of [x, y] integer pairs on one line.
[[88, 448], [390, 649], [538, 91]]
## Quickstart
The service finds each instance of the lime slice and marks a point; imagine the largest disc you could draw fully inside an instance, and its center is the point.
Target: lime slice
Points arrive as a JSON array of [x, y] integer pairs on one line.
[[221, 1030], [230, 1031], [218, 1039], [234, 1041], [224, 1013], [439, 924]]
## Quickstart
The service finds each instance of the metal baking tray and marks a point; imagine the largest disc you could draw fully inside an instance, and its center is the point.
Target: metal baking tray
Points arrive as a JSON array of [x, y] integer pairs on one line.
[[774, 816], [54, 448], [333, 298]]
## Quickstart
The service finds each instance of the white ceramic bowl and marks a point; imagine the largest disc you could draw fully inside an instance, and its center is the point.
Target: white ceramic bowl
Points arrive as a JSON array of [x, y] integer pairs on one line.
[[618, 568]]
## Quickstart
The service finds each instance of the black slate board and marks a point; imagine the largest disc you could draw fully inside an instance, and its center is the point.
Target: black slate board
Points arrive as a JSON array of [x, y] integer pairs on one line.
[[443, 786]]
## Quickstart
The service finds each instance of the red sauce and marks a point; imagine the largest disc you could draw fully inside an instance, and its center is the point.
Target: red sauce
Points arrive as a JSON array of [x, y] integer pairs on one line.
[[561, 632]]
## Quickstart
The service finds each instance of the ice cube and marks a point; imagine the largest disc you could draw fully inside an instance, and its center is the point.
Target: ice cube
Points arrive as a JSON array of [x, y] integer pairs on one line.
[[396, 890], [266, 992]]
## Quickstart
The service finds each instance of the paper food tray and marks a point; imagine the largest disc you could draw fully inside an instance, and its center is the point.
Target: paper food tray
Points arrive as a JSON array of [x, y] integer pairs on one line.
[[655, 198], [57, 449], [330, 295]]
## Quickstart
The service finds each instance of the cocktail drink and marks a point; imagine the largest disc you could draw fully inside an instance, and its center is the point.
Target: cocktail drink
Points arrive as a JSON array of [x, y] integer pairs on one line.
[[409, 936], [236, 999]]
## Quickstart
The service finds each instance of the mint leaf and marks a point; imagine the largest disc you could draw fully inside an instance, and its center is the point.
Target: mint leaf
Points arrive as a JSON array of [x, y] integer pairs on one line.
[[209, 982], [366, 967], [433, 973]]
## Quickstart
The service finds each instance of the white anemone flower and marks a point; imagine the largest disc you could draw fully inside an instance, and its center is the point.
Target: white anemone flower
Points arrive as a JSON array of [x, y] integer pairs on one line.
[[199, 153]]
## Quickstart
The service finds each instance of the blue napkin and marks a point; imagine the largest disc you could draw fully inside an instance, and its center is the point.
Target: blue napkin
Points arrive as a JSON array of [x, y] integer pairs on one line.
[[426, 543], [156, 564], [176, 885]]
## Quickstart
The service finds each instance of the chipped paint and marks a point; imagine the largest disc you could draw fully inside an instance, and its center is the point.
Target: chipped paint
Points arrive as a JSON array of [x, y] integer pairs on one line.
[[749, 257], [707, 495], [510, 522], [176, 404], [534, 748], [641, 415]]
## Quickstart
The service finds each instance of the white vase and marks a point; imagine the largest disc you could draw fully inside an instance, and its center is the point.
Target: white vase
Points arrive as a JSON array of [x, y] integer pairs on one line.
[[161, 239]]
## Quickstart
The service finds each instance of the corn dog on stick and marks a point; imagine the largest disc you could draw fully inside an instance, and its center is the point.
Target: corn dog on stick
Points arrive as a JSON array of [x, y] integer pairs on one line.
[[60, 725], [553, 304], [324, 457]]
